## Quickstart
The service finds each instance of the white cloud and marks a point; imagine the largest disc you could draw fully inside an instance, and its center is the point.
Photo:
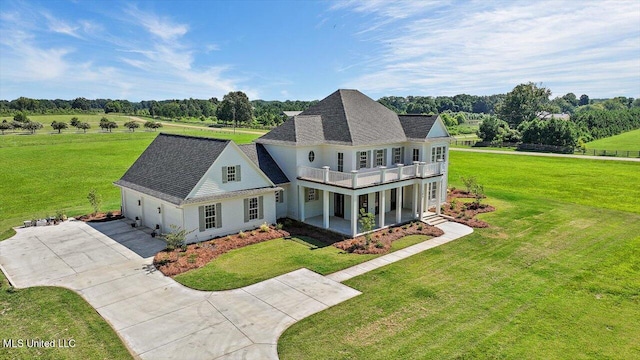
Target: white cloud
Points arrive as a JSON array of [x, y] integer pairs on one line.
[[59, 26], [487, 47]]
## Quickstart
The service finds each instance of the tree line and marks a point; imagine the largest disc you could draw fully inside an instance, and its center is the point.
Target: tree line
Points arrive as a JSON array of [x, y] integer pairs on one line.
[[527, 115]]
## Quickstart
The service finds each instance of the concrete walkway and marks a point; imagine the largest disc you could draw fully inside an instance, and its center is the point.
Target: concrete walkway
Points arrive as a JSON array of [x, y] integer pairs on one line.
[[529, 153], [159, 318]]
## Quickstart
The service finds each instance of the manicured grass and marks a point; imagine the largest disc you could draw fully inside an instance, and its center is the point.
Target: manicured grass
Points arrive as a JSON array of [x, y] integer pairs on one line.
[[629, 140], [49, 313], [44, 173], [557, 276], [249, 265], [92, 119]]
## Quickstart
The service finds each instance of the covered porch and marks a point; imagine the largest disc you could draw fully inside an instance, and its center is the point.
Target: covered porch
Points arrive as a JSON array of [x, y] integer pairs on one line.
[[338, 209], [343, 226]]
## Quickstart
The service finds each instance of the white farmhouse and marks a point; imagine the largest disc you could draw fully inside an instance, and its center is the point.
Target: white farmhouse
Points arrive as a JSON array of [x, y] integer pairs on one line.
[[321, 167]]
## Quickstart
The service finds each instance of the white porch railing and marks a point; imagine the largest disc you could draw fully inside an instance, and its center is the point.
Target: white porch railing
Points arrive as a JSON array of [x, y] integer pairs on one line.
[[368, 177]]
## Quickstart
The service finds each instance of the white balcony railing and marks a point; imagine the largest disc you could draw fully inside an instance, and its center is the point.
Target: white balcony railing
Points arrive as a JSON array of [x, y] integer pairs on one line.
[[368, 177]]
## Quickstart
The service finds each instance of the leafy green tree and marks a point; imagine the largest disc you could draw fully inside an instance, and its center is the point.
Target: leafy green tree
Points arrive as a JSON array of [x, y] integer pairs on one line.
[[492, 129], [59, 126], [4, 126], [113, 106], [523, 103], [81, 104], [554, 131], [235, 106], [74, 122], [107, 124], [153, 125], [21, 116], [32, 126], [132, 125], [368, 221], [84, 126], [584, 100]]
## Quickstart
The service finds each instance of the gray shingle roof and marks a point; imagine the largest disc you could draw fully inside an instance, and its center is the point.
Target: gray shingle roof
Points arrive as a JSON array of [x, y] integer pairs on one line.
[[261, 157], [345, 117], [417, 126], [172, 165]]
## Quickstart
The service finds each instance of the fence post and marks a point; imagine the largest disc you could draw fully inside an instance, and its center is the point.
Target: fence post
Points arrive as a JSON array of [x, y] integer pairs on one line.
[[354, 179]]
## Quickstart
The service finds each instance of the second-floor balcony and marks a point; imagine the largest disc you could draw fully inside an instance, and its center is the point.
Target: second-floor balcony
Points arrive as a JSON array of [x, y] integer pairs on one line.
[[369, 177]]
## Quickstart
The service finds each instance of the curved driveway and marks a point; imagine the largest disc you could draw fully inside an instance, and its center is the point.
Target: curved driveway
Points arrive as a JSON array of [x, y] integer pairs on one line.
[[109, 264]]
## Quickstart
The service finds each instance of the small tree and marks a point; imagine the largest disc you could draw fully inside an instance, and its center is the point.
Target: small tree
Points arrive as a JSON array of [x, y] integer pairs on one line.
[[21, 116], [59, 126], [132, 125], [84, 126], [152, 125], [74, 122], [32, 126], [478, 193], [469, 182], [368, 222], [95, 200], [4, 125], [176, 238], [107, 124]]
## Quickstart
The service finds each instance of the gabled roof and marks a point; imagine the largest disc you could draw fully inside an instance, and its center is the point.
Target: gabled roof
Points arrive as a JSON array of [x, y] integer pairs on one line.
[[261, 157], [417, 127], [291, 113], [172, 165], [345, 117]]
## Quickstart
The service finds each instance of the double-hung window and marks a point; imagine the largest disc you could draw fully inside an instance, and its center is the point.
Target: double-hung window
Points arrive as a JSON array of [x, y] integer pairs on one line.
[[210, 216], [253, 208], [363, 159], [416, 154], [379, 157], [397, 155], [438, 154], [340, 162]]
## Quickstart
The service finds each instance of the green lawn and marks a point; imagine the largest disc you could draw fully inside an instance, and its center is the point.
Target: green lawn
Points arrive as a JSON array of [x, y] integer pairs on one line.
[[249, 265], [50, 313], [44, 173], [629, 140], [557, 276]]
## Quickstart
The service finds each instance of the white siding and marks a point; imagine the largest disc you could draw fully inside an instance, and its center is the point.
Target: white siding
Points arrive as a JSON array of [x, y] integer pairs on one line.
[[437, 130], [132, 209], [281, 208], [150, 215], [232, 218], [212, 183], [172, 216], [285, 157]]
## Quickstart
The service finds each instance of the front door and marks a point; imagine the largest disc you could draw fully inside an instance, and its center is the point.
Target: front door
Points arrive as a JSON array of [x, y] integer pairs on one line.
[[363, 203], [338, 205], [394, 198]]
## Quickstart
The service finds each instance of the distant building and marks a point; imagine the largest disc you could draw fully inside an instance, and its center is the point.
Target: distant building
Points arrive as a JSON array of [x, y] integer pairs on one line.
[[547, 115]]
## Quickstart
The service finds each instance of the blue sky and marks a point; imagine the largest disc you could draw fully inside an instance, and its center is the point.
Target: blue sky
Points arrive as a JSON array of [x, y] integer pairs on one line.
[[278, 50]]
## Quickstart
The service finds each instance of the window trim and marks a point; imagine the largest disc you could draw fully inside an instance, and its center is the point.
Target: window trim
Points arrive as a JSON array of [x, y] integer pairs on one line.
[[210, 216], [397, 155], [341, 161], [416, 154], [379, 156], [231, 173], [253, 209], [364, 157], [438, 153]]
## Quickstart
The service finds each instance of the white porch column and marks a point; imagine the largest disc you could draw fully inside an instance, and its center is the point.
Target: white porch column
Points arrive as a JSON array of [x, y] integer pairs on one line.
[[438, 196], [421, 198], [325, 209], [415, 199], [382, 209], [354, 215], [399, 204], [301, 202]]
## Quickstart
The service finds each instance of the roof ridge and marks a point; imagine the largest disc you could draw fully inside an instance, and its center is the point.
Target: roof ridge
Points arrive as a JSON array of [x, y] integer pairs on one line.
[[195, 137], [346, 116]]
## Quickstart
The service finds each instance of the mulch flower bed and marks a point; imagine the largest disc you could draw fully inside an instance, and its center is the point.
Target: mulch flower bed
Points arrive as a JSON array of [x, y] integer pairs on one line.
[[381, 240], [101, 216], [464, 212], [177, 261]]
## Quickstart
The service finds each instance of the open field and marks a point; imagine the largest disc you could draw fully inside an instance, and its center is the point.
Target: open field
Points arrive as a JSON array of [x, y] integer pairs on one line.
[[50, 313], [629, 140], [249, 265], [44, 173], [92, 119], [556, 276]]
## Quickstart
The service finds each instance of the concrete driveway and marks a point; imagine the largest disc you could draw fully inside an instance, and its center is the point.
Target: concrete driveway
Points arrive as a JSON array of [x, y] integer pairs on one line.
[[108, 265]]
